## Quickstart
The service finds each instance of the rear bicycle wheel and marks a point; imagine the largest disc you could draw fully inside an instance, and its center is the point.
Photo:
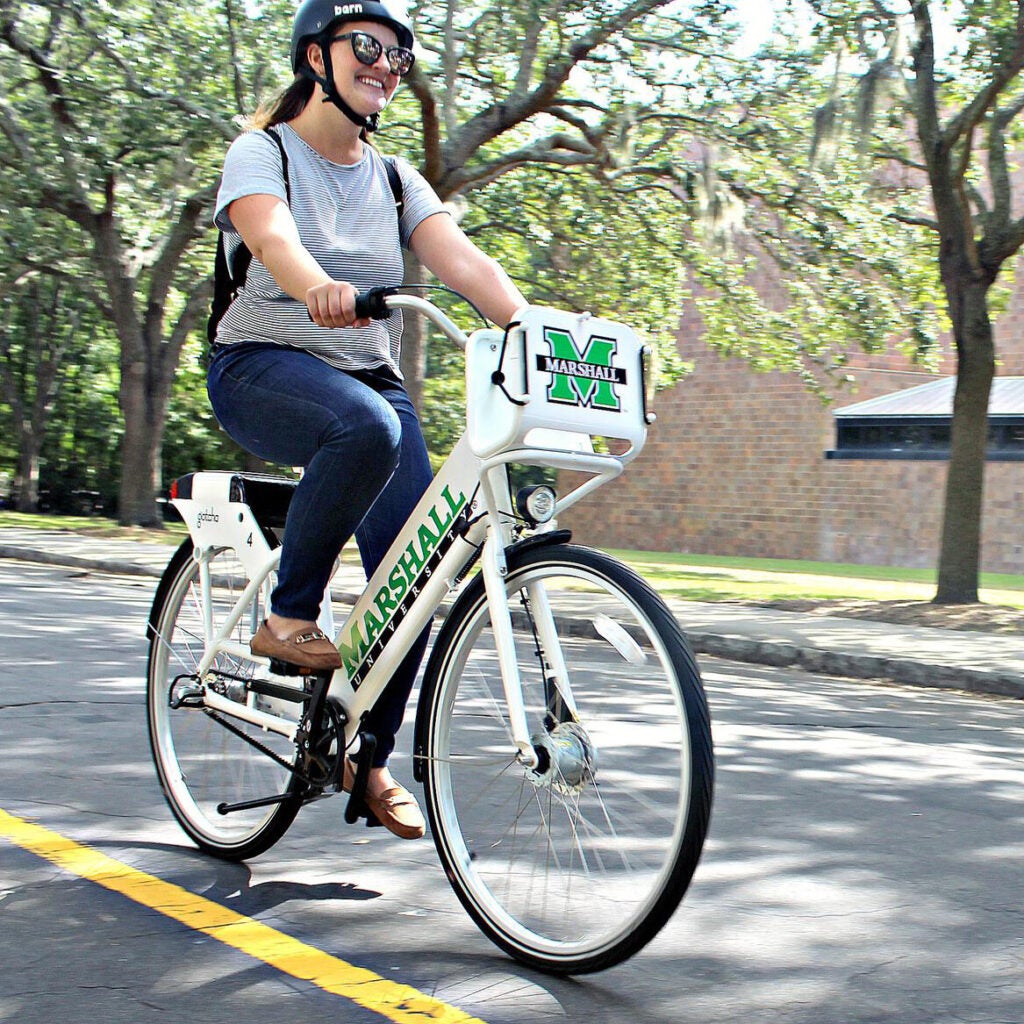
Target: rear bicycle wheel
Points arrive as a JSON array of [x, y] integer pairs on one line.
[[577, 866], [200, 763]]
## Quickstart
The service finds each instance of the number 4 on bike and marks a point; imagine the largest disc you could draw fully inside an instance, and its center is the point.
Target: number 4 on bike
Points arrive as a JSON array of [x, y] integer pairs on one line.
[[561, 735]]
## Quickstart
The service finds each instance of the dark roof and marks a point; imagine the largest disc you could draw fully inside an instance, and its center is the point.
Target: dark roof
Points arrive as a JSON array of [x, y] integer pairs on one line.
[[936, 399]]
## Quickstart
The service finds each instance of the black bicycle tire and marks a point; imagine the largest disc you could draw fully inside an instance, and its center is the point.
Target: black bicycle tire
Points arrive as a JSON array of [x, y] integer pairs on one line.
[[278, 823], [689, 848]]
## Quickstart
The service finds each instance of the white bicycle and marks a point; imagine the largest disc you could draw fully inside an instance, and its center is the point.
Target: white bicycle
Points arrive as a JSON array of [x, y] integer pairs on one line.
[[562, 733]]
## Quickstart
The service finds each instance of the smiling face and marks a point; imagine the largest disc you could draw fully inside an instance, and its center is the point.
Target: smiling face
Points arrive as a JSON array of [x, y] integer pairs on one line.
[[367, 88]]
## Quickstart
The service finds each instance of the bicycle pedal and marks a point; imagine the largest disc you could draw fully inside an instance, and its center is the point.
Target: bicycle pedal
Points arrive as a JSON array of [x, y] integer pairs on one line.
[[357, 808], [192, 697]]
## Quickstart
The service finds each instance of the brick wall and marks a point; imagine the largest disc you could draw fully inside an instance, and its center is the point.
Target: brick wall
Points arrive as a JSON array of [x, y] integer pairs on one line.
[[735, 465]]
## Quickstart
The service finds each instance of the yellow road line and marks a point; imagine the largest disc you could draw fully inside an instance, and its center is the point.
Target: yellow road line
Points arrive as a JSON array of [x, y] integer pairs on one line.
[[400, 1003]]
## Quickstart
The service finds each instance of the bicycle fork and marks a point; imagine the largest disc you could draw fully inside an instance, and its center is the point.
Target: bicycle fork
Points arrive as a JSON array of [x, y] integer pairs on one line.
[[561, 706]]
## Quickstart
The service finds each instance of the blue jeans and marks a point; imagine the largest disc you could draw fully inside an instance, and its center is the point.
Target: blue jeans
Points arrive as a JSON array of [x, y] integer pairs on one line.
[[366, 466]]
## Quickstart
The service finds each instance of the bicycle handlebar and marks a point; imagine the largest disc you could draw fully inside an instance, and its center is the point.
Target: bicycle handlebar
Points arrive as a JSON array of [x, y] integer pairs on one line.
[[378, 303]]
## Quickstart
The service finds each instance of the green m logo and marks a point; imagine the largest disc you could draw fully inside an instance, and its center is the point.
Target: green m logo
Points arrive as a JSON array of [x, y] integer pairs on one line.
[[585, 378]]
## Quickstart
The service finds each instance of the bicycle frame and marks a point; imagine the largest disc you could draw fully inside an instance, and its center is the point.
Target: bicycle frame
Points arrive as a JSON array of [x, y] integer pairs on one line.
[[566, 395]]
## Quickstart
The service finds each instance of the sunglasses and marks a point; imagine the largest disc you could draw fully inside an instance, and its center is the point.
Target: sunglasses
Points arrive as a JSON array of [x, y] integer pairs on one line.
[[367, 51]]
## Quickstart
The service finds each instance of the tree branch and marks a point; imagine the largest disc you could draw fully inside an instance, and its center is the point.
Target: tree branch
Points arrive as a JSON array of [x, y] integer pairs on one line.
[[185, 230], [561, 149], [1013, 237], [144, 89], [236, 75], [31, 267], [929, 132], [998, 169], [964, 123], [47, 74], [923, 222], [196, 307], [430, 124], [520, 105]]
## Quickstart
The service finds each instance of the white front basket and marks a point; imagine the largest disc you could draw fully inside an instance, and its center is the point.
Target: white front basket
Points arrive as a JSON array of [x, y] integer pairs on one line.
[[555, 380]]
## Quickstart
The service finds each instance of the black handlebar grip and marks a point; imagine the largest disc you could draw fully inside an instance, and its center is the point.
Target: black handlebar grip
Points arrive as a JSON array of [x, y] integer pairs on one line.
[[372, 304]]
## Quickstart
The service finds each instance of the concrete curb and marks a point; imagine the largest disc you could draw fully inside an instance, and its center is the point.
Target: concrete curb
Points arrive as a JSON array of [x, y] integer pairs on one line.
[[778, 654], [118, 567], [908, 672]]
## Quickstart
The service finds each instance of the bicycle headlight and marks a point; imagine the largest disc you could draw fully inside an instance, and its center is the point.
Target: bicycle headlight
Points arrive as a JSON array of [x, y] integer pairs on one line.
[[536, 504]]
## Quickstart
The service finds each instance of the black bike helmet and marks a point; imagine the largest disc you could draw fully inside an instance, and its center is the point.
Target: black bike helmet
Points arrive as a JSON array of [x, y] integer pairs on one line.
[[316, 18], [315, 22]]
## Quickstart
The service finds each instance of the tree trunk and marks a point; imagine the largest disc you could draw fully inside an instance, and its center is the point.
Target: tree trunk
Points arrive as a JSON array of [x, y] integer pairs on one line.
[[45, 344], [26, 481], [140, 457], [144, 394], [414, 340], [960, 551]]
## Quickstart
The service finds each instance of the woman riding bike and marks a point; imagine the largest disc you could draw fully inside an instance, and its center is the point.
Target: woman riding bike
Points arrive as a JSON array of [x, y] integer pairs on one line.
[[296, 377]]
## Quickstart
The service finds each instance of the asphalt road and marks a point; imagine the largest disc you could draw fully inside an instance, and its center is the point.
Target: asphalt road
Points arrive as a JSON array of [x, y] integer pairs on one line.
[[864, 864]]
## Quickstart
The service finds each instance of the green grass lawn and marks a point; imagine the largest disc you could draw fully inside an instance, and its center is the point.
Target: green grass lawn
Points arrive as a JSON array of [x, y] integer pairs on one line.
[[689, 577], [720, 578], [98, 526]]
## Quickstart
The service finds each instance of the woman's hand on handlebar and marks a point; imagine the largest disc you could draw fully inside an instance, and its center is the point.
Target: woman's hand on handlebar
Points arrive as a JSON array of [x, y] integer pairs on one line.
[[333, 304]]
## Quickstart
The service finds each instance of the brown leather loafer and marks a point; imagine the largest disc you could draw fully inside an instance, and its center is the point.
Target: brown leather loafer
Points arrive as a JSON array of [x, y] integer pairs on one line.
[[396, 808], [307, 648]]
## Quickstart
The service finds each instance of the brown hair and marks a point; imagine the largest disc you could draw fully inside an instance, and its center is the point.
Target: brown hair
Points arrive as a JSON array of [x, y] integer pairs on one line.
[[286, 106]]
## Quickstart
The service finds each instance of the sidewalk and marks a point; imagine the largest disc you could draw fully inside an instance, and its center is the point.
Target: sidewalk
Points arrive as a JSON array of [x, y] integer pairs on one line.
[[917, 656]]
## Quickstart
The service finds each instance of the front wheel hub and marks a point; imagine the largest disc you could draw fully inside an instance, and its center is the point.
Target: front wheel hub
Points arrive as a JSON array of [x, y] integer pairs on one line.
[[567, 759]]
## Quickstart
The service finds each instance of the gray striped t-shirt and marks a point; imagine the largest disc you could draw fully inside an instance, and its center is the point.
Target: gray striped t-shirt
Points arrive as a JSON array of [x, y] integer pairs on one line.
[[345, 214]]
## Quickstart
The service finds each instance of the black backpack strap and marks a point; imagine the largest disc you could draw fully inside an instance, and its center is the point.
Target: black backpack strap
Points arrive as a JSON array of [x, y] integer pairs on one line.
[[276, 136], [395, 181]]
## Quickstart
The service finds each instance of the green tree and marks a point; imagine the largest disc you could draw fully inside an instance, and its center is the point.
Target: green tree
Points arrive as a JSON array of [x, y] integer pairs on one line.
[[81, 450], [953, 121], [36, 335], [115, 119], [512, 98], [893, 216], [577, 242], [47, 320], [968, 129]]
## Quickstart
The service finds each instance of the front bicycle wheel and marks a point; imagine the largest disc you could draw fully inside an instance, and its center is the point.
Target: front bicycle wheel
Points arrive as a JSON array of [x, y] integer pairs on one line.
[[575, 866], [202, 764]]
